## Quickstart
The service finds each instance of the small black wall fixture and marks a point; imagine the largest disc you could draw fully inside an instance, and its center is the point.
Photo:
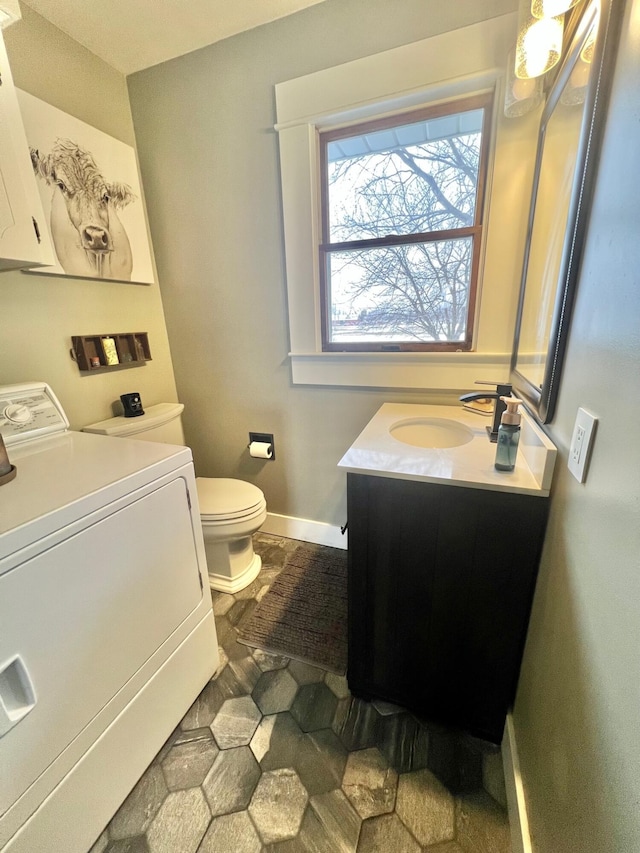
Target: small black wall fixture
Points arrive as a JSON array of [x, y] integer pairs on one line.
[[263, 438]]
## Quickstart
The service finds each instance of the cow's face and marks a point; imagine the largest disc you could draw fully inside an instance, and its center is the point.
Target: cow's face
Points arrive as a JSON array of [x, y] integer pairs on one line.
[[87, 210], [81, 193]]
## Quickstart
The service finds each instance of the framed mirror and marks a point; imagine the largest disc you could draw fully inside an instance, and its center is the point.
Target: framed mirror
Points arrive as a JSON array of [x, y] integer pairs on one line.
[[570, 131]]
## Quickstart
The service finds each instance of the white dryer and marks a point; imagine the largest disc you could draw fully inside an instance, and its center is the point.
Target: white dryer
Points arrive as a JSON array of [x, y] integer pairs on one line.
[[106, 628]]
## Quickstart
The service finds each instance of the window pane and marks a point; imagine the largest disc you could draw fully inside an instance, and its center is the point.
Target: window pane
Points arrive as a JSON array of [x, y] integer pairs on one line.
[[417, 292], [408, 179]]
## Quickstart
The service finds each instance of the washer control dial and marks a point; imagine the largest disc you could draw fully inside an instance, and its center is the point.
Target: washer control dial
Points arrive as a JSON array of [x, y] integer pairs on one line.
[[17, 413], [30, 411]]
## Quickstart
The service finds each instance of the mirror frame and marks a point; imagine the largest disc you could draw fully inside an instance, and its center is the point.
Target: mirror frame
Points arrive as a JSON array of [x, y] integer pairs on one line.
[[541, 400]]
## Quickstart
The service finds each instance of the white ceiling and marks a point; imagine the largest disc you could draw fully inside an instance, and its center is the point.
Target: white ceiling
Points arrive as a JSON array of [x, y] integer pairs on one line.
[[134, 34]]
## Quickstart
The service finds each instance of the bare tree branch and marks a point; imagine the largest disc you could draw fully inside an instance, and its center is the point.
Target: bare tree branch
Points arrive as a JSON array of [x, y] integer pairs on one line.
[[417, 291]]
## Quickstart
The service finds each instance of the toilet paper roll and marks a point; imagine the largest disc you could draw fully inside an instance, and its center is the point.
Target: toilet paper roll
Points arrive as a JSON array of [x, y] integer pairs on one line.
[[260, 449]]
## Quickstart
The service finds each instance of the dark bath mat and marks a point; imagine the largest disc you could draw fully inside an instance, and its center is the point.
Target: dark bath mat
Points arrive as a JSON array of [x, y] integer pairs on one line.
[[304, 613]]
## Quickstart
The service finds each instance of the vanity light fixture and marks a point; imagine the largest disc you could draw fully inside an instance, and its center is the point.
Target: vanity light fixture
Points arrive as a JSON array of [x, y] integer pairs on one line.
[[9, 13], [539, 44], [539, 47], [521, 95], [551, 8]]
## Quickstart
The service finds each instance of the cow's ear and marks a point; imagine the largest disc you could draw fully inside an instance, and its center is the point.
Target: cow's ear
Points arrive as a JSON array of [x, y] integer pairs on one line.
[[41, 165], [120, 194]]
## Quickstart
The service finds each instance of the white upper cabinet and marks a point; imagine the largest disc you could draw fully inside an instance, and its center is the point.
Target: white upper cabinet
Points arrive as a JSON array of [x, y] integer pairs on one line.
[[24, 236]]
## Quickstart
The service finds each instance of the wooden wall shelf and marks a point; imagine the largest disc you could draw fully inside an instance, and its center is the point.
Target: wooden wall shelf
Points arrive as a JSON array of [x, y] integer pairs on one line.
[[110, 351]]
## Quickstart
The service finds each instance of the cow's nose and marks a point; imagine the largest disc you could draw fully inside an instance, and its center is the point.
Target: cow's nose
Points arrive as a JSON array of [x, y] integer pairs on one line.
[[96, 239]]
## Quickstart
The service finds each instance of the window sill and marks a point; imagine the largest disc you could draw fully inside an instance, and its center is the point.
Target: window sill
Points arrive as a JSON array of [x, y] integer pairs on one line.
[[456, 371]]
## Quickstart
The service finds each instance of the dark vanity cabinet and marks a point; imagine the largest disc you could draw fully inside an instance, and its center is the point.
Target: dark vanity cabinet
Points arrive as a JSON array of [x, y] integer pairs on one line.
[[441, 580]]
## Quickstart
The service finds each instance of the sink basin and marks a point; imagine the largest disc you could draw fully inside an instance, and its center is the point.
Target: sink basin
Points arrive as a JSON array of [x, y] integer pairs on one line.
[[431, 432]]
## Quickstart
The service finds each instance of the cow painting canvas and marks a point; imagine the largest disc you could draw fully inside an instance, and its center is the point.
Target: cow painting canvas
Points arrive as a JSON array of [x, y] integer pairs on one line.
[[90, 190]]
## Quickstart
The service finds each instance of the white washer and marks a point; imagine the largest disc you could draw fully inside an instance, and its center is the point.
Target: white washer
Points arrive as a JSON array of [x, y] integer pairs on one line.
[[106, 628]]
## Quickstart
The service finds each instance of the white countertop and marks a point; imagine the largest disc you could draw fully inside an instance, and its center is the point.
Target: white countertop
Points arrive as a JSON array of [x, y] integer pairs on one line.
[[376, 452]]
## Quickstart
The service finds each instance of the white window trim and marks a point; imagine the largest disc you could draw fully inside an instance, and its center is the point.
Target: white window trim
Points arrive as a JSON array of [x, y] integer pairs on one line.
[[459, 63]]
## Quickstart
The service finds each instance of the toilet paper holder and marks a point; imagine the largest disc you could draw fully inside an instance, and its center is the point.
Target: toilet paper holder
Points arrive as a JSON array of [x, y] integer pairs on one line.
[[263, 438]]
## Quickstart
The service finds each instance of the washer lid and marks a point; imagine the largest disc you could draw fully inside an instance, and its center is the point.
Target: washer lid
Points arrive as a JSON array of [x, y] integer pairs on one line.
[[225, 498]]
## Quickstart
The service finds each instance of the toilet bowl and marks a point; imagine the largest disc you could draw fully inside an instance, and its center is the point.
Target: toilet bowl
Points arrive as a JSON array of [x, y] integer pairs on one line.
[[231, 511]]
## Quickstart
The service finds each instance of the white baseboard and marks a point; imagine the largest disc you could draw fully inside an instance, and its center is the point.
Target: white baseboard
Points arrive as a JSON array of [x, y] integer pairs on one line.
[[302, 528], [516, 803]]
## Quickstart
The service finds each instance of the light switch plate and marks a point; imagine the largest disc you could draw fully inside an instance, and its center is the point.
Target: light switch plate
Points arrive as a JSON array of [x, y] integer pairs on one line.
[[581, 441]]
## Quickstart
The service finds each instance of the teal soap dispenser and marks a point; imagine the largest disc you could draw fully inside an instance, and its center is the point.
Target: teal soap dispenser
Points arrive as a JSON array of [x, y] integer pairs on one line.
[[508, 435]]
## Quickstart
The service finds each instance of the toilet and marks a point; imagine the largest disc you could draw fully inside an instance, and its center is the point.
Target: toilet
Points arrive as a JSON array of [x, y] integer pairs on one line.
[[231, 511]]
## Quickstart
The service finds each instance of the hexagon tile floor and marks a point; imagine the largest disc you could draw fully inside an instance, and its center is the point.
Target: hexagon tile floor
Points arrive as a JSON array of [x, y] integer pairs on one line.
[[275, 756]]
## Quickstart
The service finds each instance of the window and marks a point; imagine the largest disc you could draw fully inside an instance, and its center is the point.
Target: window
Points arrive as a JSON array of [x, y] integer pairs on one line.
[[444, 68], [402, 206]]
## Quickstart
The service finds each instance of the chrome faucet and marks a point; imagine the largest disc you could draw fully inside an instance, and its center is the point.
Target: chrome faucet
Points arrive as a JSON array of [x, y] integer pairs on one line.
[[503, 389]]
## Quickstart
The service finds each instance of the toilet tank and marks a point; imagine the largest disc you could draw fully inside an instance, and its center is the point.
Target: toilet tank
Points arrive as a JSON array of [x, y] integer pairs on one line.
[[162, 422]]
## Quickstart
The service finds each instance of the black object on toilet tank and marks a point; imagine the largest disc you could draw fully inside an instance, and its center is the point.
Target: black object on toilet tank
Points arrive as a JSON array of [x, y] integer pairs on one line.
[[132, 405]]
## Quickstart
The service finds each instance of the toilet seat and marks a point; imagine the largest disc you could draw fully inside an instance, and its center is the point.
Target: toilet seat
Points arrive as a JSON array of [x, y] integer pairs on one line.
[[224, 500]]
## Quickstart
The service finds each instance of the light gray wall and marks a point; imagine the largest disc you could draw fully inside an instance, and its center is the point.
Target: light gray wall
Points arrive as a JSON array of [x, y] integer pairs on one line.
[[209, 159], [40, 314], [577, 714]]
